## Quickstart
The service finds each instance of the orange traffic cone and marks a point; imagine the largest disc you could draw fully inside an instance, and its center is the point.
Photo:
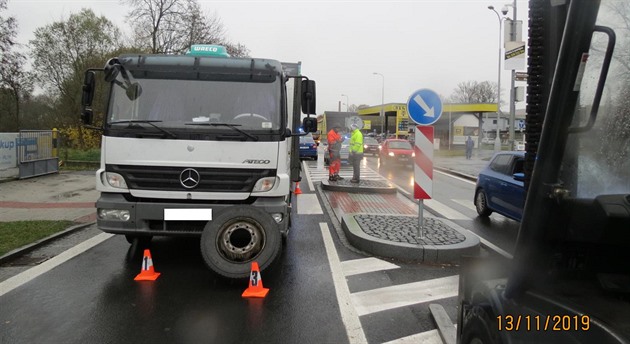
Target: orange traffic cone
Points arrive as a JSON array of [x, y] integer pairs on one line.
[[255, 288], [297, 189], [147, 273]]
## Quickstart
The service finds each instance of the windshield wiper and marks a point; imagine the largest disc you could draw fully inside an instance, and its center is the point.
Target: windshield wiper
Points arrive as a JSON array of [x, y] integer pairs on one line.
[[229, 125], [149, 122]]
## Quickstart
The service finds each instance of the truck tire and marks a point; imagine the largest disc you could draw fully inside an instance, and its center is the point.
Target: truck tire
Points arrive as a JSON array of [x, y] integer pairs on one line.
[[238, 236]]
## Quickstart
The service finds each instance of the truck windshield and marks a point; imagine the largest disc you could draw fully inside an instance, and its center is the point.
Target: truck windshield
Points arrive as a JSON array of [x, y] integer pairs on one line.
[[250, 105], [598, 161]]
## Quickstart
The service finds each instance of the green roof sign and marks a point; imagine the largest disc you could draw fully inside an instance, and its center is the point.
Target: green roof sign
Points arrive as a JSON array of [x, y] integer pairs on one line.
[[208, 50]]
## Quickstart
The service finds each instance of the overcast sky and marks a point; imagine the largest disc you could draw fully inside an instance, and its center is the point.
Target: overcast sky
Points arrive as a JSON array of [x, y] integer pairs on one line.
[[415, 44]]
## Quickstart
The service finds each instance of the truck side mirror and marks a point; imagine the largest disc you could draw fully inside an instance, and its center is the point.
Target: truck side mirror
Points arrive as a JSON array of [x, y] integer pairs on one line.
[[88, 89], [308, 97], [309, 124]]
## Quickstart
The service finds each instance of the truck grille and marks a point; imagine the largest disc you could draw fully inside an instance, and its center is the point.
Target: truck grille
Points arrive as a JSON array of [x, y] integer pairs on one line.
[[210, 179]]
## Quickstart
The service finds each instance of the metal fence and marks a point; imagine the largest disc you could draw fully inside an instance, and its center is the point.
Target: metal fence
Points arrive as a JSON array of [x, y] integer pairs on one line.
[[37, 152]]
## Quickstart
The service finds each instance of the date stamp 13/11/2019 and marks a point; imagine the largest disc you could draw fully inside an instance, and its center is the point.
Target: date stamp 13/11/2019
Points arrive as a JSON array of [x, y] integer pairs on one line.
[[543, 322]]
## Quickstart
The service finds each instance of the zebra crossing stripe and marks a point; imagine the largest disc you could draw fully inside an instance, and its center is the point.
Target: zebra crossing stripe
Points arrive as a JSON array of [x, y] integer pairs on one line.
[[382, 299], [349, 315], [365, 265]]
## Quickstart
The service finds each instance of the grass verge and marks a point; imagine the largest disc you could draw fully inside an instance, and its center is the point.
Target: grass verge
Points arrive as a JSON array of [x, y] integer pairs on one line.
[[20, 233]]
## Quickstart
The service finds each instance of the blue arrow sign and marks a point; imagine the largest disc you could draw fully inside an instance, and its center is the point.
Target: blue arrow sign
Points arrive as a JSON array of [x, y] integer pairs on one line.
[[424, 107]]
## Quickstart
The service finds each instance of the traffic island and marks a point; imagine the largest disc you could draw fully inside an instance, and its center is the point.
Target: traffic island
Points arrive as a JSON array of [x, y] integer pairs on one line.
[[395, 236], [363, 186]]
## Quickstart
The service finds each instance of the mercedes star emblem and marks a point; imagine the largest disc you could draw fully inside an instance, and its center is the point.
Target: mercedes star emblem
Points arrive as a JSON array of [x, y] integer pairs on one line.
[[189, 178]]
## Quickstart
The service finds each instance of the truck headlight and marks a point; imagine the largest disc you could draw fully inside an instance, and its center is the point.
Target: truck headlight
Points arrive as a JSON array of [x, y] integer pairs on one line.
[[413, 154], [113, 214], [115, 180], [264, 184], [391, 154]]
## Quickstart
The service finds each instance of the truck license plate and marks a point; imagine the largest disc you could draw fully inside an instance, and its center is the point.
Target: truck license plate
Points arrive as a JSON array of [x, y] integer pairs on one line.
[[187, 214]]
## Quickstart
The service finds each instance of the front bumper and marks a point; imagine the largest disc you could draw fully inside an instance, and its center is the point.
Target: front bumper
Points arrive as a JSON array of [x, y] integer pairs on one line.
[[147, 216]]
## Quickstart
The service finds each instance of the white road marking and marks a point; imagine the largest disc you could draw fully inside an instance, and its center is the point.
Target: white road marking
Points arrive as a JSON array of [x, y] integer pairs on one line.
[[377, 300], [492, 246], [444, 210], [30, 274], [454, 177], [308, 176], [307, 204], [365, 265], [348, 313], [468, 204], [427, 337]]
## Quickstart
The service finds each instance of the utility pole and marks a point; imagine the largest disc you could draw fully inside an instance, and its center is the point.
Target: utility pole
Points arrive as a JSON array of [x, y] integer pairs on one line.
[[512, 87]]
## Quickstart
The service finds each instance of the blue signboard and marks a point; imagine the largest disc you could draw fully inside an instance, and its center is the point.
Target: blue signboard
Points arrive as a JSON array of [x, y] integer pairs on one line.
[[424, 107]]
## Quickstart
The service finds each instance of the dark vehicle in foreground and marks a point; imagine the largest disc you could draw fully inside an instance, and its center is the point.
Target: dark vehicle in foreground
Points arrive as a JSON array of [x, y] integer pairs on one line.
[[396, 151], [371, 146], [308, 147], [568, 280], [500, 186]]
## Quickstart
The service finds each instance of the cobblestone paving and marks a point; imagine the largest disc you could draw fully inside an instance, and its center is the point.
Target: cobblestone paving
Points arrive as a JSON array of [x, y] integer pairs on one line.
[[404, 228], [370, 203]]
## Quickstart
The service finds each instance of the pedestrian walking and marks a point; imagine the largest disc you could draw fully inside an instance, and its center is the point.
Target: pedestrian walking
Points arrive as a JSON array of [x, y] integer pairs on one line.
[[469, 147], [334, 154], [356, 153]]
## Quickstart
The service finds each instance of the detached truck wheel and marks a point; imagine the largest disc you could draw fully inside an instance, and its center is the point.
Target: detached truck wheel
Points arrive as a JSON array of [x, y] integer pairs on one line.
[[237, 237]]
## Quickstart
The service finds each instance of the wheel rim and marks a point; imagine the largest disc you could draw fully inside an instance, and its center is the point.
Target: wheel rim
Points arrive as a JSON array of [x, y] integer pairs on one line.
[[241, 241], [481, 202]]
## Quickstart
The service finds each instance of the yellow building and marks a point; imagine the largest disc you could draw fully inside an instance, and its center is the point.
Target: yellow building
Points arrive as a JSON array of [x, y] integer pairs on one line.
[[397, 122]]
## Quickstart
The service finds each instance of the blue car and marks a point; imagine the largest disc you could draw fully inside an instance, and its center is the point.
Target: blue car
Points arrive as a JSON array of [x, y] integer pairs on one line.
[[308, 147], [500, 186]]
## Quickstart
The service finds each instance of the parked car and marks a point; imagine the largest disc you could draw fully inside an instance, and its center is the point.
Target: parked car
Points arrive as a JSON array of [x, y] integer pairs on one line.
[[344, 153], [396, 151], [488, 140], [308, 147], [371, 146], [500, 186]]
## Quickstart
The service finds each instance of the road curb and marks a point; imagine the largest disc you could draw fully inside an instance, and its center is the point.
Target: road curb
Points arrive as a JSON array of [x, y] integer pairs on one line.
[[30, 247], [422, 253], [456, 173]]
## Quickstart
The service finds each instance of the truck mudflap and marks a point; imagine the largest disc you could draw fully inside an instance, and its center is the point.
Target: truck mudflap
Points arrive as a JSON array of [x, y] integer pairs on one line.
[[238, 236]]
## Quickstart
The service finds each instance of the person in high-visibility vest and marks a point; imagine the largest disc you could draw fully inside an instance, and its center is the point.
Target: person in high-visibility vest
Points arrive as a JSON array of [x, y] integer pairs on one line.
[[334, 152], [356, 153]]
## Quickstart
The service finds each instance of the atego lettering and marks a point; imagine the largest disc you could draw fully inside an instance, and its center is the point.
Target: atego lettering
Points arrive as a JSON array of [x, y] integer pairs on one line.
[[250, 161]]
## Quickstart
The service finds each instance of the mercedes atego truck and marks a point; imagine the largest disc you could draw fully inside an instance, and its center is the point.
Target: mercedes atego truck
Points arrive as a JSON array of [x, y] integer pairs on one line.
[[200, 144]]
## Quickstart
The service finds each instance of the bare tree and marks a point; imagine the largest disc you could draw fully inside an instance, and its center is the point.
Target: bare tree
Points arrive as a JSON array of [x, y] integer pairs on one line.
[[474, 92], [172, 26]]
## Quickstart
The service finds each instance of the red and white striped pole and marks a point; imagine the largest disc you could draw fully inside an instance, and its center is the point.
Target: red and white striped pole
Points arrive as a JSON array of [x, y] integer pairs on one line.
[[423, 169]]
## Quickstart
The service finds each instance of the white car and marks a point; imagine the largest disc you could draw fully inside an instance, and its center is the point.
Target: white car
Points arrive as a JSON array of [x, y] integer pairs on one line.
[[519, 146], [487, 140]]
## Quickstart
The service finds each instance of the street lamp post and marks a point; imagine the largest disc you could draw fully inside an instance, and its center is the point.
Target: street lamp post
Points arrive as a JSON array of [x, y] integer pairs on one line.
[[382, 102], [497, 139], [347, 101]]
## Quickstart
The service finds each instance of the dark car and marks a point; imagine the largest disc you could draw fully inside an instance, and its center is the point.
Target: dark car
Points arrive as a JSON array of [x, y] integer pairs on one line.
[[308, 147], [500, 186], [371, 146], [396, 151]]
